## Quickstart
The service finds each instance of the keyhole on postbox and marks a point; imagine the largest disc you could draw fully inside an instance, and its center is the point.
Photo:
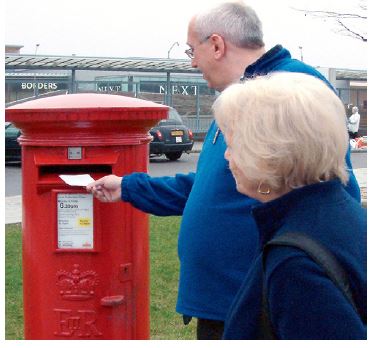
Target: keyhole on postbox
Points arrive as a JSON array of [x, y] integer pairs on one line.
[[125, 272]]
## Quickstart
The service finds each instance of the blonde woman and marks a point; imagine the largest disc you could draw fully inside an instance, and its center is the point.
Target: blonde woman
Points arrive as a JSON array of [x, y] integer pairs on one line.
[[272, 128]]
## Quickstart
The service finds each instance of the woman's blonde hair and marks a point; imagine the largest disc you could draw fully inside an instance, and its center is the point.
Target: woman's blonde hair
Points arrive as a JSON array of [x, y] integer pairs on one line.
[[286, 129]]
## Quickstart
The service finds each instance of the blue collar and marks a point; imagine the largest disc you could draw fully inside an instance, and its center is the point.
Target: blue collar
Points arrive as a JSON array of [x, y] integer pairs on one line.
[[267, 62], [271, 216]]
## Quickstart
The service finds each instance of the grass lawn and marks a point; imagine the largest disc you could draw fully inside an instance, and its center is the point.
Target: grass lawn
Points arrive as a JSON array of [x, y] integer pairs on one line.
[[13, 283], [165, 323]]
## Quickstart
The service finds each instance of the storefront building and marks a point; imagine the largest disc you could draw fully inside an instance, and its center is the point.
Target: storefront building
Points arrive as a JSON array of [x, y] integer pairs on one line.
[[167, 81]]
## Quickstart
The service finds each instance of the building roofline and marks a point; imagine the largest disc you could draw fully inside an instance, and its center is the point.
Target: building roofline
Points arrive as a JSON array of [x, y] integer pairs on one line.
[[129, 64], [30, 61]]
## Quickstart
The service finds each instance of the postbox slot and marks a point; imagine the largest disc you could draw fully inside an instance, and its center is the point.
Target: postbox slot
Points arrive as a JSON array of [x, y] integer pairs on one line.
[[49, 176], [74, 169]]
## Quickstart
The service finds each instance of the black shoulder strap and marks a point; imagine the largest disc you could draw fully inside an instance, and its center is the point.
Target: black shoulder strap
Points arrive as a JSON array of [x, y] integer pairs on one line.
[[319, 254]]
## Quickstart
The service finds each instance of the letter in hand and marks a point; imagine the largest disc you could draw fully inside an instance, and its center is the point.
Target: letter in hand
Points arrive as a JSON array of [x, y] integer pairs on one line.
[[106, 189]]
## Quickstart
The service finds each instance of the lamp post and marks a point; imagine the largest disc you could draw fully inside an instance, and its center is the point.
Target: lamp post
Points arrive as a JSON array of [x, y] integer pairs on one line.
[[36, 91], [168, 89], [301, 53], [168, 53]]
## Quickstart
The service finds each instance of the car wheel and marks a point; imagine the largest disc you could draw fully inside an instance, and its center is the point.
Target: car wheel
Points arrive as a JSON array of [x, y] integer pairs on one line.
[[173, 156]]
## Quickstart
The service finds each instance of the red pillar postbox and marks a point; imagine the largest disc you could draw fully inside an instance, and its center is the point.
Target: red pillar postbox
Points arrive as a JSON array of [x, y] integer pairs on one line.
[[85, 263]]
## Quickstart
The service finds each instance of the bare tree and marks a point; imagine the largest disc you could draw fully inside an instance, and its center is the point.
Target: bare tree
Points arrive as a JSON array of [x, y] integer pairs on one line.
[[350, 24]]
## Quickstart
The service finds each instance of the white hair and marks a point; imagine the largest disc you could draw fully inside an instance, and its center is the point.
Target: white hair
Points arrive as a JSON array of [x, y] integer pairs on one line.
[[235, 21], [287, 129]]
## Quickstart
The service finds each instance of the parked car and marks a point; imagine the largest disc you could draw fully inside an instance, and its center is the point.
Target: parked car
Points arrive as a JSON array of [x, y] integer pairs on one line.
[[12, 147], [171, 137]]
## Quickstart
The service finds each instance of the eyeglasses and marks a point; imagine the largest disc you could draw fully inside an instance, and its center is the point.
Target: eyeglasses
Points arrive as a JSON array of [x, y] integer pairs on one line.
[[190, 51]]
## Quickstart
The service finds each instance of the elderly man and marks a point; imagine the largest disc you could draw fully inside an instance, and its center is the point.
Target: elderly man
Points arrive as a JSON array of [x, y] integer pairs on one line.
[[218, 238]]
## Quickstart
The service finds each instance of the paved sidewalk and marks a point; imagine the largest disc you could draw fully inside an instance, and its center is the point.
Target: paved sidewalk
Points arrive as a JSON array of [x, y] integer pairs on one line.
[[197, 147], [13, 205], [13, 209]]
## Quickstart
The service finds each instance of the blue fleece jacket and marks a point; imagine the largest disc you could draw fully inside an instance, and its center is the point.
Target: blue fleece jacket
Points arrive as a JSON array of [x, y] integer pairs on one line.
[[303, 302], [218, 240]]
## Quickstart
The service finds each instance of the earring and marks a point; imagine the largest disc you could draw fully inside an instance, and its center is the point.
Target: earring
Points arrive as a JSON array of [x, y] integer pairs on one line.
[[266, 192]]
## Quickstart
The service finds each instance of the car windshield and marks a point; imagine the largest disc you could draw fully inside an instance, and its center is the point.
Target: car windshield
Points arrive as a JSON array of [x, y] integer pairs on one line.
[[173, 118], [173, 115]]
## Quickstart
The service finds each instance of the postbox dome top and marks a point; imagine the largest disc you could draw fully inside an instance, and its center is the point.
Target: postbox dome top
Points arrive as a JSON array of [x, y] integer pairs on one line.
[[85, 107], [86, 101]]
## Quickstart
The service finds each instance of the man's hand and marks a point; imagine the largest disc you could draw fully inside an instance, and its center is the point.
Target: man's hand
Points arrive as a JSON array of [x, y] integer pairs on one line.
[[106, 189]]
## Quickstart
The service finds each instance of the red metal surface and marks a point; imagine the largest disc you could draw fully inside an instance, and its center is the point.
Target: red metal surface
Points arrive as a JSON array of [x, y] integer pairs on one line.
[[101, 292]]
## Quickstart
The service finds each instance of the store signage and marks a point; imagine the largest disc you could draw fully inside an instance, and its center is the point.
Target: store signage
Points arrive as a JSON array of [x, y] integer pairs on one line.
[[109, 87], [180, 89], [51, 86]]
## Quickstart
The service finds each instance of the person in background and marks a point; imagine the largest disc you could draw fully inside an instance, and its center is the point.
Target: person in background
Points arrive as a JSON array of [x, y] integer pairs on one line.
[[353, 123], [277, 158], [218, 241]]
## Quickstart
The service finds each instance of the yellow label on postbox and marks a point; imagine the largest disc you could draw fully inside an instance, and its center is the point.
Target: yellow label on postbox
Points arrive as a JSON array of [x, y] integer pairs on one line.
[[84, 222]]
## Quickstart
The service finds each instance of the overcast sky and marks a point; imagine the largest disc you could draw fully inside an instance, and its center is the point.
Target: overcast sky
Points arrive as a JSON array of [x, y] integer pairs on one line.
[[148, 28]]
